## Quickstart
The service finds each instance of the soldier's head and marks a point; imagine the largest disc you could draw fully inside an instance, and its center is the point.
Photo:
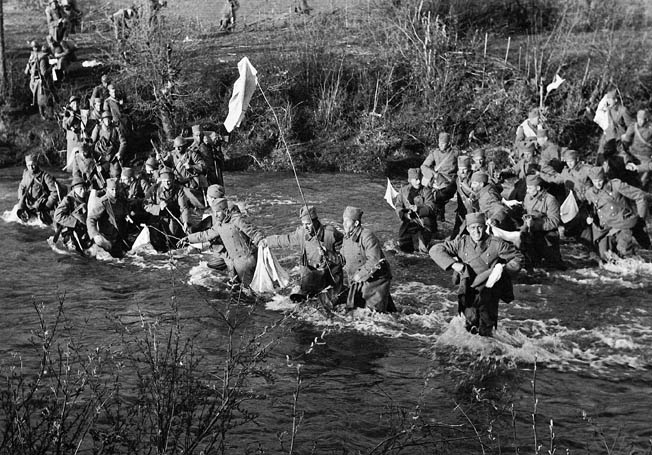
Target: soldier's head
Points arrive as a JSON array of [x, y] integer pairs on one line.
[[74, 103], [127, 176], [570, 158], [97, 104], [112, 187], [464, 167], [34, 45], [166, 178], [444, 140], [597, 176], [106, 80], [478, 159], [533, 116], [533, 185], [179, 144], [107, 118], [220, 206], [79, 187], [642, 117], [479, 180], [151, 165], [309, 219], [476, 224], [542, 137], [31, 162], [351, 219], [111, 89], [214, 192], [527, 152], [414, 177], [197, 133]]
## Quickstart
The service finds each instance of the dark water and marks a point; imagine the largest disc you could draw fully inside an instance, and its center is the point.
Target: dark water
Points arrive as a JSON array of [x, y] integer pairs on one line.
[[589, 330]]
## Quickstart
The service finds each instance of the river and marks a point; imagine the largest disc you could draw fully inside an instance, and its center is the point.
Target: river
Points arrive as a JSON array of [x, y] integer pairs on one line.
[[587, 330]]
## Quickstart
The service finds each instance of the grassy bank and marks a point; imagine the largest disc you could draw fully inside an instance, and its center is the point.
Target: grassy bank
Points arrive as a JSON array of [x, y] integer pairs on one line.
[[357, 84]]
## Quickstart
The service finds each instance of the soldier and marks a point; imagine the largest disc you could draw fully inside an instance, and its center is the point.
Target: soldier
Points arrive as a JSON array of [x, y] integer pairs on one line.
[[526, 133], [617, 121], [149, 174], [64, 52], [57, 21], [170, 210], [94, 117], [113, 105], [239, 237], [228, 18], [479, 163], [107, 221], [475, 258], [132, 187], [539, 234], [549, 153], [415, 207], [638, 139], [212, 155], [38, 192], [72, 123], [38, 69], [85, 167], [189, 166], [575, 177], [613, 228], [490, 202], [320, 260], [71, 215], [467, 201], [72, 14], [111, 144], [439, 171], [366, 267], [101, 91], [527, 165]]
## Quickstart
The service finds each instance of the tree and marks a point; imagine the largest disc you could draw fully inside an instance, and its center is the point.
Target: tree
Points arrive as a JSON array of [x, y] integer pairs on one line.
[[3, 66]]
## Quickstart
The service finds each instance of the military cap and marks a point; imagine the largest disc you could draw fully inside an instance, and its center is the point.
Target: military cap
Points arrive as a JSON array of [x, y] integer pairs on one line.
[[445, 137], [220, 204], [73, 98], [33, 43], [570, 154], [542, 132], [166, 174], [463, 161], [596, 173], [215, 191], [414, 173], [475, 218], [77, 181], [308, 213], [151, 161], [481, 177], [197, 129], [106, 114], [179, 141], [111, 183], [533, 180], [127, 172], [353, 213]]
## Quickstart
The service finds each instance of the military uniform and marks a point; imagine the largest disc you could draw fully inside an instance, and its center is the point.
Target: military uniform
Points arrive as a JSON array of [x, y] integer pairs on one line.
[[478, 303], [240, 239], [72, 123], [490, 203], [364, 257], [616, 217], [111, 144], [108, 218], [540, 236], [416, 228], [467, 202], [190, 168], [439, 171], [71, 215], [177, 206], [37, 195]]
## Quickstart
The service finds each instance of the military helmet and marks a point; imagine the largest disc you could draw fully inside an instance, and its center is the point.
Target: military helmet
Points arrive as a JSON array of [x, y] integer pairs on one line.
[[106, 114], [179, 141]]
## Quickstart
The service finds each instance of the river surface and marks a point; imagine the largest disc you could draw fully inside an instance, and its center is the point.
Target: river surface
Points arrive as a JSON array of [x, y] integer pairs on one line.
[[588, 329]]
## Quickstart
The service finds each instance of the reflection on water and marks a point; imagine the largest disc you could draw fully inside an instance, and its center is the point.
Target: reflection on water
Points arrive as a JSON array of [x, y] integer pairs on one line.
[[589, 329]]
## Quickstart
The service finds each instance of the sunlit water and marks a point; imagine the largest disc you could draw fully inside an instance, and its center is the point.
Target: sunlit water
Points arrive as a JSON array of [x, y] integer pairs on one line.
[[588, 329]]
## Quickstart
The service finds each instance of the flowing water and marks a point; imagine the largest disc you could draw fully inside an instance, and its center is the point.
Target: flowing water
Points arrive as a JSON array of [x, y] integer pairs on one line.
[[588, 329]]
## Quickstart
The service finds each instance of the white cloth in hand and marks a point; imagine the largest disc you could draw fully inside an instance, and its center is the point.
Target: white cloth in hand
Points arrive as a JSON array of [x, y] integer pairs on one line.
[[495, 275]]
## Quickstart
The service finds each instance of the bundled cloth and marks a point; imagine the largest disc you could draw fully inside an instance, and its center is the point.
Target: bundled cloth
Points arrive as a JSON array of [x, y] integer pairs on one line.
[[243, 90], [602, 112], [390, 194], [569, 209], [269, 274], [509, 236]]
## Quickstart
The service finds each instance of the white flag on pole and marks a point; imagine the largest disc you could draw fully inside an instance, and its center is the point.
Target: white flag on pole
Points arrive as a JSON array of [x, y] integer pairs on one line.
[[556, 82], [390, 194], [243, 90]]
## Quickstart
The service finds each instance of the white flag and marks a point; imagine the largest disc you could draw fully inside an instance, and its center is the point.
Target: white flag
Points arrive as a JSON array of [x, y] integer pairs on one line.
[[557, 81], [569, 209], [243, 90], [390, 194]]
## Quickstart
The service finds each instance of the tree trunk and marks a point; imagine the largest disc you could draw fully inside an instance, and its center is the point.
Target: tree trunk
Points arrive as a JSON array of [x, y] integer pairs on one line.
[[3, 67]]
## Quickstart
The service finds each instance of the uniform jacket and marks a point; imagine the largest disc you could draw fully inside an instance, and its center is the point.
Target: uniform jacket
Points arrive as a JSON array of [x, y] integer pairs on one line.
[[466, 197], [490, 203], [213, 159], [440, 167], [526, 132], [40, 185], [422, 198], [576, 179], [108, 218], [613, 204], [550, 157], [71, 211], [639, 139], [175, 198], [197, 167], [363, 254], [544, 210], [110, 142], [325, 246], [238, 236], [85, 168], [112, 105], [523, 168], [619, 121]]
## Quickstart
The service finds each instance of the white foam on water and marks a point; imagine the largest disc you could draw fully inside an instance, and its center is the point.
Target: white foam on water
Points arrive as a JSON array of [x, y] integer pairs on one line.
[[10, 216], [593, 277], [204, 276], [628, 266]]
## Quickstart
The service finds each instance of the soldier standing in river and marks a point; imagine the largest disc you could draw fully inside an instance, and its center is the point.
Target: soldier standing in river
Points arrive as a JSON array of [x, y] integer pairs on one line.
[[439, 171], [38, 193], [366, 267], [71, 215], [107, 221], [415, 207]]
